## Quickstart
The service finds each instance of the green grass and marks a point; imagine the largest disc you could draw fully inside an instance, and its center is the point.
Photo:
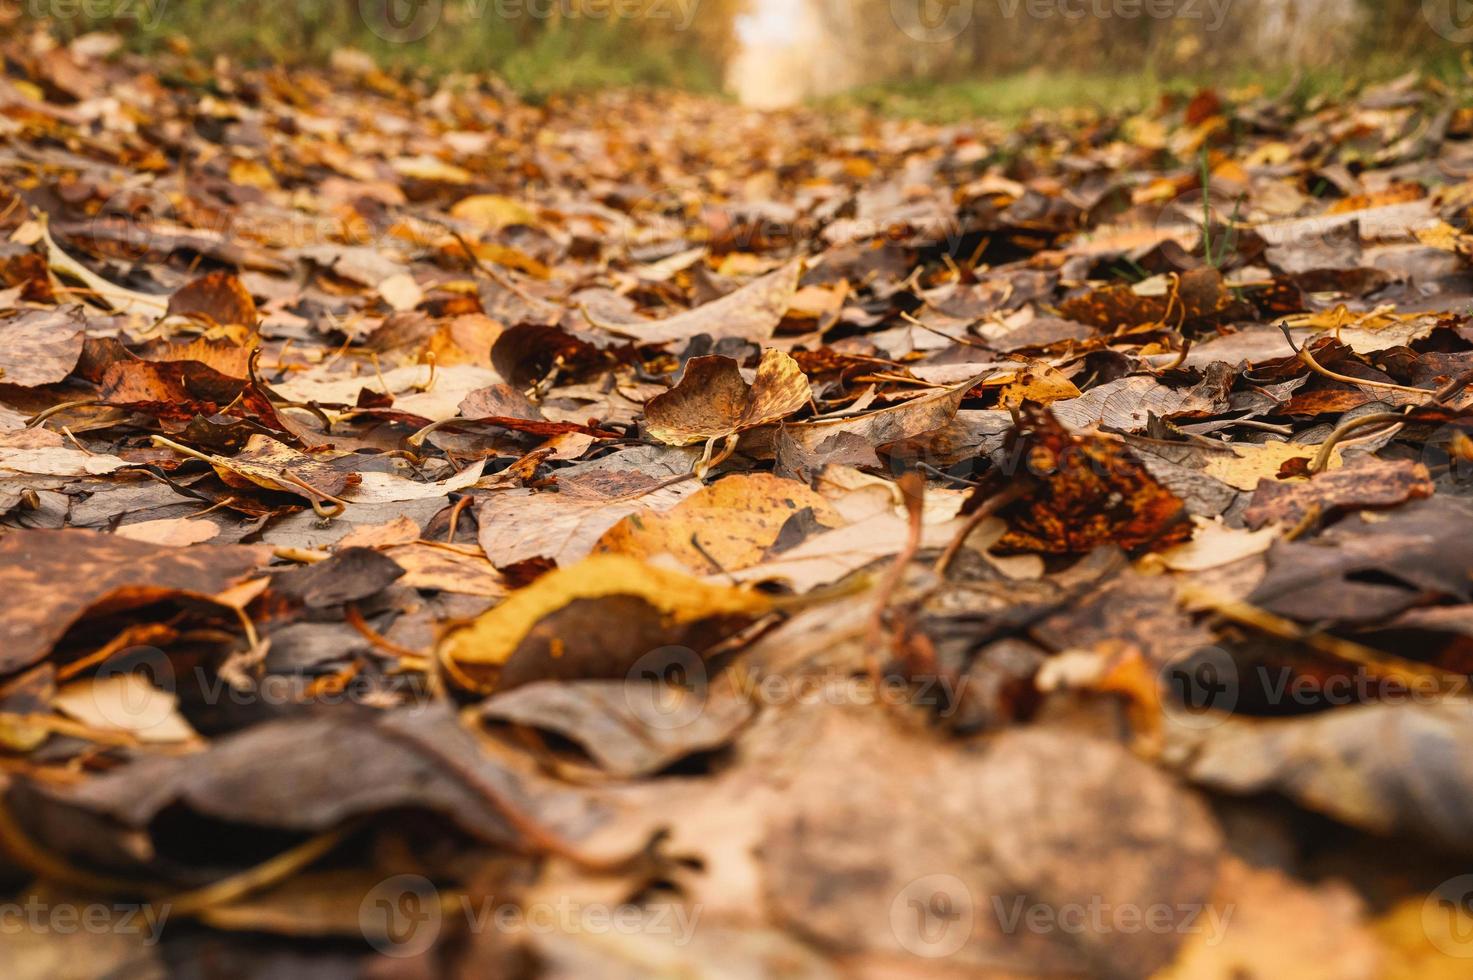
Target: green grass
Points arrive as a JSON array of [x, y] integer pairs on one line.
[[536, 57], [1011, 98]]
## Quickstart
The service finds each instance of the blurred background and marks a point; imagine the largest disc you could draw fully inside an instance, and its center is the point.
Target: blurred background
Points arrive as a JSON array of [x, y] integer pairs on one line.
[[925, 56]]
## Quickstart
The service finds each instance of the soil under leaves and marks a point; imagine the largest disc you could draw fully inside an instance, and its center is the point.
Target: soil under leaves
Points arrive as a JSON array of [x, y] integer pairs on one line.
[[633, 535]]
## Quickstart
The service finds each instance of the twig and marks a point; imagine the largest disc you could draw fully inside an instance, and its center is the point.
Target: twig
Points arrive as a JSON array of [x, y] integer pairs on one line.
[[535, 837], [40, 417], [264, 875], [455, 512], [1327, 450], [988, 509], [913, 488], [1318, 368], [412, 659]]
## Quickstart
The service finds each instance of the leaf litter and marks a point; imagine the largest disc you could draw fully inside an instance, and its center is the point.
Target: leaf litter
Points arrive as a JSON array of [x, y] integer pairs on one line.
[[414, 498]]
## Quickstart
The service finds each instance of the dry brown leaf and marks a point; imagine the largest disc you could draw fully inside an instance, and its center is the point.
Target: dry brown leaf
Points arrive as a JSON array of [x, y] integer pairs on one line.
[[40, 347], [731, 523], [218, 298], [1085, 492], [713, 401], [179, 532], [104, 572], [594, 621], [751, 313]]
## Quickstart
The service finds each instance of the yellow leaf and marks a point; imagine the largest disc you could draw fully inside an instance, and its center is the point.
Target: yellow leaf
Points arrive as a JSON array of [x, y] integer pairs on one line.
[[732, 523], [493, 211], [596, 619], [1247, 465]]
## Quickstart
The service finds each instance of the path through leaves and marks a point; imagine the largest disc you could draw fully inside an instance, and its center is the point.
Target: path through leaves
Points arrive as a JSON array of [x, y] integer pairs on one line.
[[445, 536]]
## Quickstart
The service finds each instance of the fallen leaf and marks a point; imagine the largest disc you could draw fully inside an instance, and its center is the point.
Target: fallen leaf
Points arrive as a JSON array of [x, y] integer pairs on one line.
[[40, 347], [217, 298], [1367, 569], [349, 575], [732, 522], [751, 313], [273, 465], [1247, 465], [630, 728], [1214, 545], [106, 573], [522, 525], [57, 461], [125, 703], [826, 439], [713, 401], [387, 488], [1356, 765], [1363, 484], [493, 212], [179, 532], [563, 626], [1084, 492], [432, 568]]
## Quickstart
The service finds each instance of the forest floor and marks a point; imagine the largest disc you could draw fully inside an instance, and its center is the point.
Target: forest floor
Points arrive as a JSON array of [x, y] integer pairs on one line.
[[631, 535]]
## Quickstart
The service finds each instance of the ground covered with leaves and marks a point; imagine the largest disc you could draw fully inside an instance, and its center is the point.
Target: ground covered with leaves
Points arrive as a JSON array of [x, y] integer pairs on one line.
[[451, 537]]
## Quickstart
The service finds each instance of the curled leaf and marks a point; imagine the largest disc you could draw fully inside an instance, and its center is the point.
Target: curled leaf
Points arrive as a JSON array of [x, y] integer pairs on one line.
[[594, 621], [712, 401]]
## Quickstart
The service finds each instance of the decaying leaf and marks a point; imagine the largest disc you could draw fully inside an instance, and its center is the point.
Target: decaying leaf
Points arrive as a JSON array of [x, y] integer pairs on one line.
[[629, 727], [105, 573], [1084, 492], [713, 401], [273, 465], [1364, 484], [595, 620], [731, 524], [1366, 569], [40, 347], [218, 298], [751, 313]]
